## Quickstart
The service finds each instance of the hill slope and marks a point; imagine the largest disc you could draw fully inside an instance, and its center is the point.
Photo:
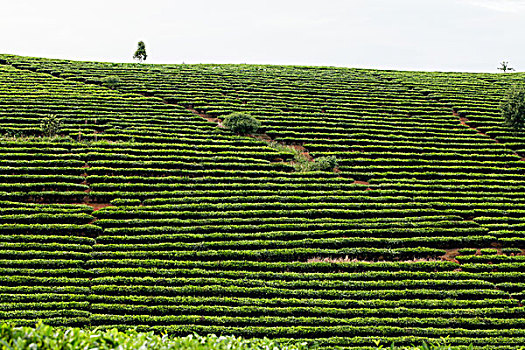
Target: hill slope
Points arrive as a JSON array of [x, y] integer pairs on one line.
[[418, 235]]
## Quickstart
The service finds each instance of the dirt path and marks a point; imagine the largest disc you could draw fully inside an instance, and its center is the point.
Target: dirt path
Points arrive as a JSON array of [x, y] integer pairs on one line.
[[202, 115], [98, 206], [465, 121], [362, 183], [263, 137], [450, 255], [302, 151]]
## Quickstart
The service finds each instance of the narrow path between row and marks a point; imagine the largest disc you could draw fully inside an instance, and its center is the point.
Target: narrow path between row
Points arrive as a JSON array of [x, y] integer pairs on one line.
[[297, 149], [465, 121]]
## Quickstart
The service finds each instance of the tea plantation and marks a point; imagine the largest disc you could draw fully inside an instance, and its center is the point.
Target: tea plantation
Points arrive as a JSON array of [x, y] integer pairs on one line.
[[146, 213]]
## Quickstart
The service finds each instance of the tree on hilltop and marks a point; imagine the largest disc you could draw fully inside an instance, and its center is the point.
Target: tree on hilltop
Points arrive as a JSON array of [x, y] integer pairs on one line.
[[140, 54], [505, 67]]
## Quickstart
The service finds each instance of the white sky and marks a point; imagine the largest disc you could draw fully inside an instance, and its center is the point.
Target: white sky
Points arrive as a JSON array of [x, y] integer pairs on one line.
[[447, 35]]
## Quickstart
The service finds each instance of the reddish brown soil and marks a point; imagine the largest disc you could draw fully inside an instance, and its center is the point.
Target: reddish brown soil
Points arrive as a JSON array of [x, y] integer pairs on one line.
[[363, 183], [207, 117], [263, 137], [464, 121], [98, 206], [303, 151], [450, 255]]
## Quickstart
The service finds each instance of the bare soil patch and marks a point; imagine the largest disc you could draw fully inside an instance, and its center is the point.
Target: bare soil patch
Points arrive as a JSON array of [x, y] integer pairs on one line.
[[464, 121], [98, 206], [207, 117], [262, 137], [450, 255], [303, 151]]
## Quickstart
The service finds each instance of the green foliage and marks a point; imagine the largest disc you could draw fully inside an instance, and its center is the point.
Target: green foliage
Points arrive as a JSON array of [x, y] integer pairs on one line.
[[327, 163], [50, 125], [513, 108], [241, 123], [111, 81], [505, 67], [49, 338], [46, 337], [303, 163], [140, 53]]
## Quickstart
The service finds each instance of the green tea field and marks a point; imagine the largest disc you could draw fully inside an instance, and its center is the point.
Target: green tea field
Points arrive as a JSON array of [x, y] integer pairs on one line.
[[145, 212]]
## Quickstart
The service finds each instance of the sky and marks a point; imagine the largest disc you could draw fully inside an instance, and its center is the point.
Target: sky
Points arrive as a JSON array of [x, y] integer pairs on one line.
[[430, 35]]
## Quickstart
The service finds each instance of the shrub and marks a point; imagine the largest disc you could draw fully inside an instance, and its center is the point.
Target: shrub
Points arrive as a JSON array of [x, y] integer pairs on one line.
[[325, 163], [50, 125], [322, 163], [241, 123], [111, 81], [513, 108]]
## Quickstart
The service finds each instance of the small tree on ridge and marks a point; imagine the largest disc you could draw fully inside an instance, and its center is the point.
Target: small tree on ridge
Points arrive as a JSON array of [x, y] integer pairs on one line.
[[505, 67], [140, 54]]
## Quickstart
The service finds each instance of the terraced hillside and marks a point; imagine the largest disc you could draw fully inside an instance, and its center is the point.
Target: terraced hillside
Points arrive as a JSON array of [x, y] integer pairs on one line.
[[418, 234]]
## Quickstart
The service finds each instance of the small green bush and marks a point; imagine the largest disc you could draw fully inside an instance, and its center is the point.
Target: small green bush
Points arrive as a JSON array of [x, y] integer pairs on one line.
[[50, 125], [241, 123], [325, 163], [513, 108], [303, 164], [319, 164], [111, 81]]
